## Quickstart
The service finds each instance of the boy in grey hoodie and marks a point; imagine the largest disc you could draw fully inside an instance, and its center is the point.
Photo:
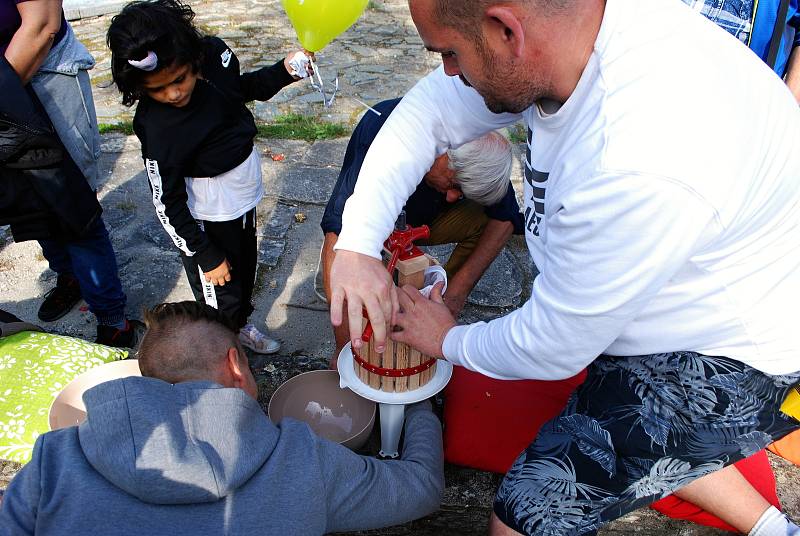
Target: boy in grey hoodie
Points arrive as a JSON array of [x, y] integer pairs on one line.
[[186, 449]]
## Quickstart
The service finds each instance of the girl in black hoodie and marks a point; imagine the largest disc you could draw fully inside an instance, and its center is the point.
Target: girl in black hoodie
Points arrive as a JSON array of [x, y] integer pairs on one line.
[[197, 144]]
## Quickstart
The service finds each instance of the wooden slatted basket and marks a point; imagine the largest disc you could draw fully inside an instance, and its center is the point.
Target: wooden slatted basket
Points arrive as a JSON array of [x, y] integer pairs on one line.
[[399, 368]]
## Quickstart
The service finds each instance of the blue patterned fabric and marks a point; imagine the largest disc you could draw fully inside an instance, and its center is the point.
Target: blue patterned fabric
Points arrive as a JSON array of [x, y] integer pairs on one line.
[[752, 22], [638, 429], [733, 16]]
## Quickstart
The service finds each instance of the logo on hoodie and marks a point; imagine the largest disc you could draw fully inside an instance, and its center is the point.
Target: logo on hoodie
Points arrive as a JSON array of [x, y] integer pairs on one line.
[[226, 57], [537, 181]]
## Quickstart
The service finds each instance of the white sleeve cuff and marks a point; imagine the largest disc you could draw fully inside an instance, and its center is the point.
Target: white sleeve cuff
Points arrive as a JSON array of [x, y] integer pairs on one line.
[[454, 349], [359, 244], [451, 347]]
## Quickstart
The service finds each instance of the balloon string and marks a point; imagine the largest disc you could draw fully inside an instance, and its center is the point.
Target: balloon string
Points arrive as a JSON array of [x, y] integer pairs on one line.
[[370, 108], [320, 85]]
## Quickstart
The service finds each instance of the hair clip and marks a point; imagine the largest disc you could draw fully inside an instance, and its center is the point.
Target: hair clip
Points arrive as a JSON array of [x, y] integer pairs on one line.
[[149, 63]]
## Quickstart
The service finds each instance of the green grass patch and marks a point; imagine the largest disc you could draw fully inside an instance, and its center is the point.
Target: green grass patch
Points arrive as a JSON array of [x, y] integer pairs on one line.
[[124, 127], [301, 127], [289, 126], [517, 133]]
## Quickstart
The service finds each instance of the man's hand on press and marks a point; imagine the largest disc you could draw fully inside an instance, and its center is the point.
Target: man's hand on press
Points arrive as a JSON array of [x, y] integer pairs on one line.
[[424, 322], [362, 282]]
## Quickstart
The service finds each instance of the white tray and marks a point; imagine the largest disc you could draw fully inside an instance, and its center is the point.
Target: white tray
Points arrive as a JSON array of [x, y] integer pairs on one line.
[[349, 379]]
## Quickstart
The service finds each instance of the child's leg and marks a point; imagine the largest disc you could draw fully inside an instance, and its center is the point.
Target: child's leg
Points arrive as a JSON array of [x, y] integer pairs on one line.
[[249, 262], [195, 276], [228, 298], [239, 239]]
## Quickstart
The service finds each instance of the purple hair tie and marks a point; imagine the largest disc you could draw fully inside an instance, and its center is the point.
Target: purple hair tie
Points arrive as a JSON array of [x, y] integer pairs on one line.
[[149, 63]]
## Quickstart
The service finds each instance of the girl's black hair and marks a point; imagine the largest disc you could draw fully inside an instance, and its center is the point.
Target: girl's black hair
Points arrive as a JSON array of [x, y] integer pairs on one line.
[[162, 26]]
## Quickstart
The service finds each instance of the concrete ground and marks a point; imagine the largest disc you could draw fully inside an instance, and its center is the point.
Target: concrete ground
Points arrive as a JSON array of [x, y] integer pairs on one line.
[[380, 57]]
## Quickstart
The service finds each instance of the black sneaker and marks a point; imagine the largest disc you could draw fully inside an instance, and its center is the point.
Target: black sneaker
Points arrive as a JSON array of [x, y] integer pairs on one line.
[[61, 299], [121, 338]]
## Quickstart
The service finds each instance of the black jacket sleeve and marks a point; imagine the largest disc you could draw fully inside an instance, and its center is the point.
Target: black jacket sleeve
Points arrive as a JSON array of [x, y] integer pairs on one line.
[[264, 83], [169, 198], [168, 187]]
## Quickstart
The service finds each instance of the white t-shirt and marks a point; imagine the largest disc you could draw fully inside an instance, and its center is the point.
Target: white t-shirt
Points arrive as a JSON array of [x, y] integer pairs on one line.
[[226, 196], [662, 202]]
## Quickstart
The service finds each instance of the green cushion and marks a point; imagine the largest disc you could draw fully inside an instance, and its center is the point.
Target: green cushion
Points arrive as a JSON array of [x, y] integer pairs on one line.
[[34, 368]]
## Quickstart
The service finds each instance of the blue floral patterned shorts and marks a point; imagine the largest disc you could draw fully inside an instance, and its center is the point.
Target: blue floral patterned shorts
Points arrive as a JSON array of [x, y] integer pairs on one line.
[[638, 429]]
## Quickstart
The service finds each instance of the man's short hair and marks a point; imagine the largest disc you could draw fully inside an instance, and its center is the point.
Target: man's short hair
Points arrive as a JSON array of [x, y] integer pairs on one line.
[[483, 168], [185, 341], [465, 16]]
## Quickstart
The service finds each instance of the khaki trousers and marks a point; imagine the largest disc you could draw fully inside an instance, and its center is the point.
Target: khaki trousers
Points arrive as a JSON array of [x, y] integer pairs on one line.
[[461, 224]]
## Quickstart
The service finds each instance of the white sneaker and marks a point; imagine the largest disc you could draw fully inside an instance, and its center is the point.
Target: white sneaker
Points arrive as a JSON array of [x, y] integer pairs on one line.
[[253, 339]]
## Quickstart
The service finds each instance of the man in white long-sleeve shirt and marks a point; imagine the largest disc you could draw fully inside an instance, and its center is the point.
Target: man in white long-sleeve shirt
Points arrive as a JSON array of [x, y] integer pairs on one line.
[[663, 213]]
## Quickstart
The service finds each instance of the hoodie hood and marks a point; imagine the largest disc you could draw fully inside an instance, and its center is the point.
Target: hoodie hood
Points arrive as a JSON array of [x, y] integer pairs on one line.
[[186, 443]]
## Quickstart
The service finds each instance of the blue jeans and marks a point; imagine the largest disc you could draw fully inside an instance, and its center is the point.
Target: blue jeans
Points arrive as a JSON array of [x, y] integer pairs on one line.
[[90, 259]]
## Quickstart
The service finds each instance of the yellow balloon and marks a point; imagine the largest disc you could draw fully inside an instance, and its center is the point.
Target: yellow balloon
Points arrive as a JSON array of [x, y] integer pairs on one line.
[[318, 22]]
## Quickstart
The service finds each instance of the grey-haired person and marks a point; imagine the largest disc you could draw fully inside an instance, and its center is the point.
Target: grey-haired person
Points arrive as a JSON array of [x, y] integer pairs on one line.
[[466, 198]]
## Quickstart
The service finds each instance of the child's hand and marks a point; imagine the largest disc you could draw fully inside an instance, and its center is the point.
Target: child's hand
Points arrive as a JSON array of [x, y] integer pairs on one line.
[[219, 275], [298, 64]]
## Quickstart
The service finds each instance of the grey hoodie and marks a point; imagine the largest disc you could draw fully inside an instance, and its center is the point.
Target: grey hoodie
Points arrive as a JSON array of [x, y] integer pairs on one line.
[[196, 458]]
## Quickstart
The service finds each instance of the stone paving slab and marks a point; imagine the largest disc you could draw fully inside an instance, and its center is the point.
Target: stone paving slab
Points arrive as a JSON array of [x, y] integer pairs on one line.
[[274, 218], [291, 151], [80, 9], [326, 154], [301, 184]]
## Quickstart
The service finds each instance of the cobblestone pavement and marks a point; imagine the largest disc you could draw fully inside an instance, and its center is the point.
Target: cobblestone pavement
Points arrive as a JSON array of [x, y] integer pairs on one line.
[[380, 57]]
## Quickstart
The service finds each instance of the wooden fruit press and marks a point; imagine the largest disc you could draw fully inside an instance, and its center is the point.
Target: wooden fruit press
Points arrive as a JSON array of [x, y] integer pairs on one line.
[[400, 375]]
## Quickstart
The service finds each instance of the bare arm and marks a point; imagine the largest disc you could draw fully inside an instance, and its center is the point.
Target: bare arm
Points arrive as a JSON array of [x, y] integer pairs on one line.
[[41, 21], [492, 240], [792, 77]]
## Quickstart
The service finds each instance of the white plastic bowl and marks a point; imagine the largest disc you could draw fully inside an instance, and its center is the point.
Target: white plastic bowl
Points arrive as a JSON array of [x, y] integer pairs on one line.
[[334, 413], [68, 410]]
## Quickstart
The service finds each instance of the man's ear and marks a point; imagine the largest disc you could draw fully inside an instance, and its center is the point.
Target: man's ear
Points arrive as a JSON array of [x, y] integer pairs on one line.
[[503, 29], [233, 362]]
